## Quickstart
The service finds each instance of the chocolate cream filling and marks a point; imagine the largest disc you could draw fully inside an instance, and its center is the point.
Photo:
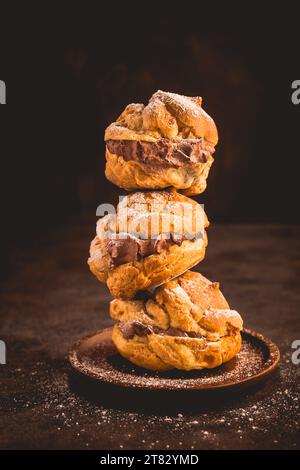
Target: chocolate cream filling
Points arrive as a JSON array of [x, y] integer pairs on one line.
[[130, 329], [164, 153], [130, 248]]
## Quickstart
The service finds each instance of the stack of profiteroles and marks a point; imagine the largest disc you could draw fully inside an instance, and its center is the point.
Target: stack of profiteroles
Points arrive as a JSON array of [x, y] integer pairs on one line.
[[166, 315]]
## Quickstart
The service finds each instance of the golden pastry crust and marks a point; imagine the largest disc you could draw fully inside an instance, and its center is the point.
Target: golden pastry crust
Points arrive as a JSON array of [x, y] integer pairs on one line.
[[161, 353], [190, 179], [160, 210], [166, 115], [191, 304], [169, 116]]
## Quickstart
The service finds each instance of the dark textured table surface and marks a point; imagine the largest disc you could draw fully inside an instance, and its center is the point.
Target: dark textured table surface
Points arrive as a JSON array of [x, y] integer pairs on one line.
[[50, 299]]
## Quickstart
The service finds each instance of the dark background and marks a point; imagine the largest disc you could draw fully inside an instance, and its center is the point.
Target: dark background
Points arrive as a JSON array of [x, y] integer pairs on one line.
[[70, 72]]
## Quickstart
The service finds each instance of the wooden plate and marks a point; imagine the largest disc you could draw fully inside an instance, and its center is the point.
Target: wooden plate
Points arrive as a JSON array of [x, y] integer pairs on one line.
[[96, 356]]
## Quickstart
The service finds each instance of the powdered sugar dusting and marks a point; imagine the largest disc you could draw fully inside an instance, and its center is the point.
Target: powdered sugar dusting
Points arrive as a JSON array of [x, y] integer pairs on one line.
[[101, 361]]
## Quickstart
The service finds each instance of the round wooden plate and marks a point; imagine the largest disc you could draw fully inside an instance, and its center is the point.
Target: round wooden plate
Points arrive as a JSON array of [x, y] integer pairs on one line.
[[96, 356]]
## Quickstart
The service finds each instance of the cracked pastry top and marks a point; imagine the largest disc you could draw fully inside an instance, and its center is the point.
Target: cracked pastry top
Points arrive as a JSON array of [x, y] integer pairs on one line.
[[185, 324], [168, 142], [152, 237]]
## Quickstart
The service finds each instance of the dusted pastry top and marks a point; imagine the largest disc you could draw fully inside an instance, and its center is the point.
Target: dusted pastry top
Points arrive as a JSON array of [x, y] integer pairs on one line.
[[164, 152], [189, 303], [168, 142], [130, 329], [130, 248], [167, 115], [147, 223], [150, 255], [185, 323]]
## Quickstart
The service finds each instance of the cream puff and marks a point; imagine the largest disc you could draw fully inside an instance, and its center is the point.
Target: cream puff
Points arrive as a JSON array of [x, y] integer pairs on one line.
[[167, 143], [185, 324], [152, 238]]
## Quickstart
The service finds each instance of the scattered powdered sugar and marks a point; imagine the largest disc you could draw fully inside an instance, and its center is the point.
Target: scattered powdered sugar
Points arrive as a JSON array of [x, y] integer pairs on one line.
[[59, 409], [102, 362]]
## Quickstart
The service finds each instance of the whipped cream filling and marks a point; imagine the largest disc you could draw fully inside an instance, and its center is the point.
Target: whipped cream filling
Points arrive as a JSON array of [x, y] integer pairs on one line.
[[130, 329], [164, 153], [130, 248]]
